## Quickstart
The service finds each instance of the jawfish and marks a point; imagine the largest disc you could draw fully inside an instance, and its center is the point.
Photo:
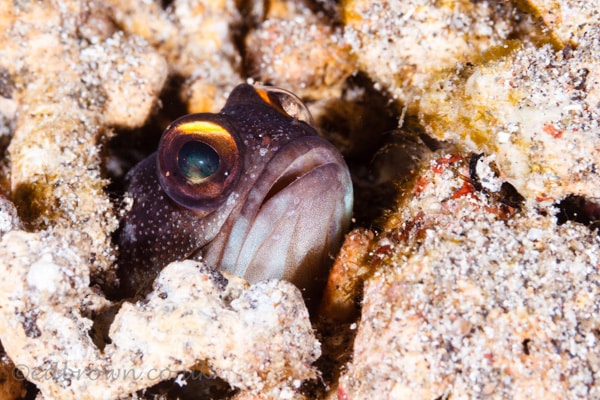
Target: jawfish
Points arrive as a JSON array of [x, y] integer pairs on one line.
[[251, 190]]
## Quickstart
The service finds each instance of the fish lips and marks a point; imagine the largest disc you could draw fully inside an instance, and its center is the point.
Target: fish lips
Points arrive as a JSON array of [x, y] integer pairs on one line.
[[293, 219]]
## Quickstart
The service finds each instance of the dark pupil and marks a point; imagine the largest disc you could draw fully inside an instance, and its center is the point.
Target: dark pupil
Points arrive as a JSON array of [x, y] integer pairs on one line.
[[197, 161]]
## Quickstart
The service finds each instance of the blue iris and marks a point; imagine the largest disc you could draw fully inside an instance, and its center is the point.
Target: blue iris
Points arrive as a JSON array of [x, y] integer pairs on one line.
[[198, 161]]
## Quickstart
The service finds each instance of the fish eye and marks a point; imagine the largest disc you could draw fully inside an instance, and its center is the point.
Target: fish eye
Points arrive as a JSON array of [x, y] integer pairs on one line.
[[198, 161], [286, 102]]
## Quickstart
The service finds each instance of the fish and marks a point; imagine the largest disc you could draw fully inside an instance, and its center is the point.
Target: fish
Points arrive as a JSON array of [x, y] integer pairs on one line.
[[252, 190]]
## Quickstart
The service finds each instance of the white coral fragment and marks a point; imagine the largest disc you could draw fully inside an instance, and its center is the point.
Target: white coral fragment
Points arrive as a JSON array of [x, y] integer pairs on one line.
[[257, 338], [535, 110], [476, 301]]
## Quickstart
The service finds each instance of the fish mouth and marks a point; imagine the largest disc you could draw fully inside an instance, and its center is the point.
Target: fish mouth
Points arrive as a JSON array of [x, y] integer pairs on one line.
[[293, 218], [296, 164]]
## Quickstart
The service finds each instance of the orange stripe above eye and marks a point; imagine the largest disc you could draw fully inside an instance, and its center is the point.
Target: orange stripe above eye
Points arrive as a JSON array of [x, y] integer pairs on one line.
[[202, 127], [263, 95]]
